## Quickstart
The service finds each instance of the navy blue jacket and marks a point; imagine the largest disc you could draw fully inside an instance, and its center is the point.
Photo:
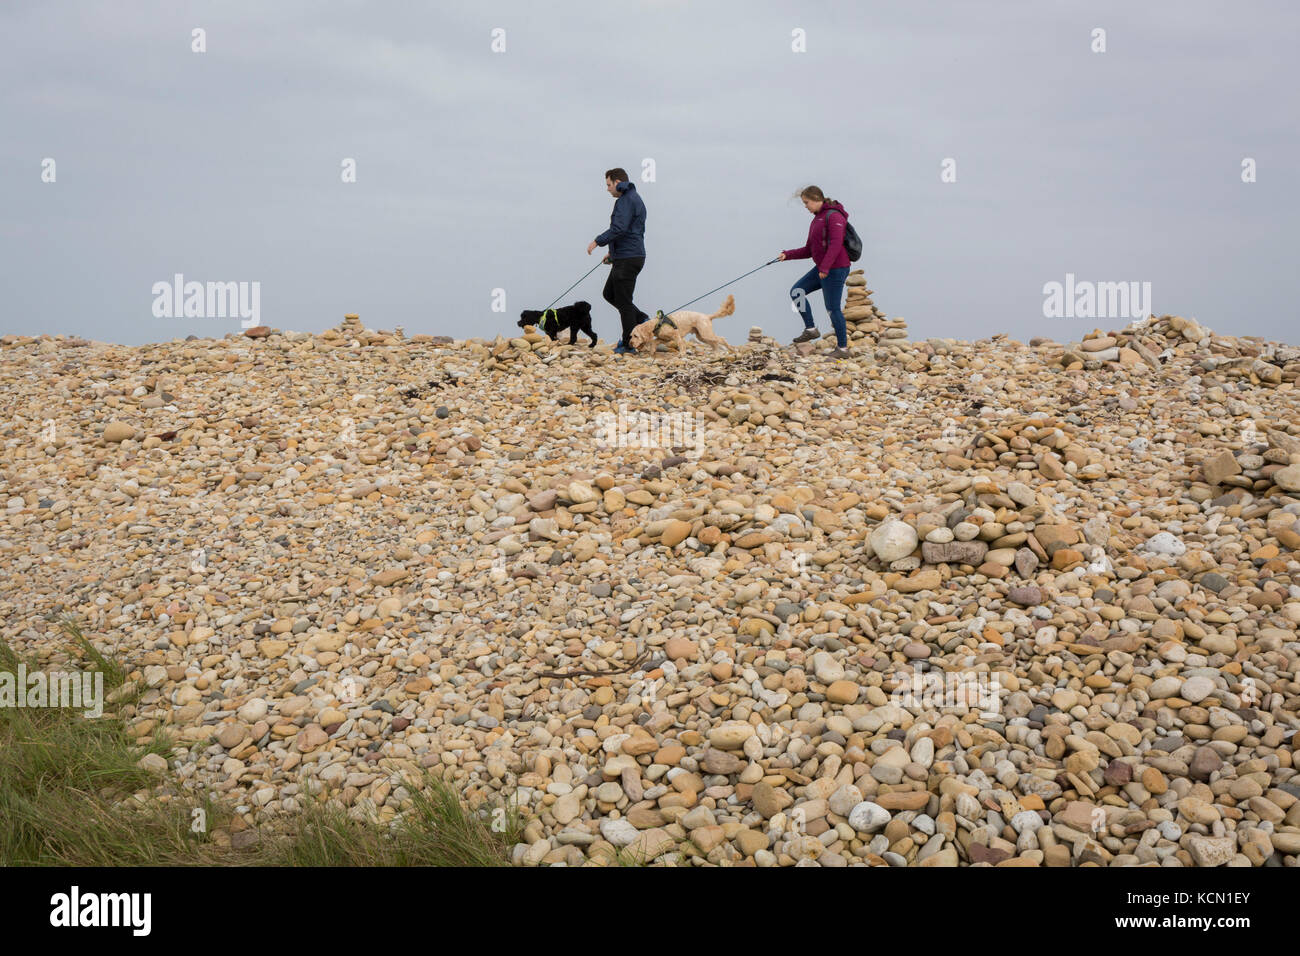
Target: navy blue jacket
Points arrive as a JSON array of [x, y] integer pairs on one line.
[[626, 233]]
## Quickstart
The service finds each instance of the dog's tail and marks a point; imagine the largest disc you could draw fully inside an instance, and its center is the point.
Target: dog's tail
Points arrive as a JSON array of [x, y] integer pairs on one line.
[[728, 308]]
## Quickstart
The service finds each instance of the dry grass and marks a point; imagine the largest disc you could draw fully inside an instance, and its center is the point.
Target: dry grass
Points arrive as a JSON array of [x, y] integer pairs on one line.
[[72, 793]]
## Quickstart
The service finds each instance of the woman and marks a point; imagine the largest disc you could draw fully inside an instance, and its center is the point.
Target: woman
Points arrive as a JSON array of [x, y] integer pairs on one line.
[[825, 246]]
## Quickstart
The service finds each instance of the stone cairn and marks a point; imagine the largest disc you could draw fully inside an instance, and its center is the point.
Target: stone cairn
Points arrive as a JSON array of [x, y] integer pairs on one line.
[[352, 330], [866, 323], [1155, 341]]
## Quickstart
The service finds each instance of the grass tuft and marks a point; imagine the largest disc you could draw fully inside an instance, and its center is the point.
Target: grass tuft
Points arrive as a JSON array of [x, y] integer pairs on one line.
[[73, 793], [114, 674], [436, 831]]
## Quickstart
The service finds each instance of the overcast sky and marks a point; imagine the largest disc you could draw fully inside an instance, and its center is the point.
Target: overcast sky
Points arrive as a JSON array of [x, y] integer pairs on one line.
[[479, 170]]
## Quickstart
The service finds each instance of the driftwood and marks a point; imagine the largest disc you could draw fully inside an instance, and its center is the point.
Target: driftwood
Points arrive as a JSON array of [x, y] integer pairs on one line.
[[766, 364]]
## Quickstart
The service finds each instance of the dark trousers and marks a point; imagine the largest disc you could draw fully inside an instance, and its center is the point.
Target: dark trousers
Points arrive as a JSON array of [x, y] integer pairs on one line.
[[619, 288], [832, 294]]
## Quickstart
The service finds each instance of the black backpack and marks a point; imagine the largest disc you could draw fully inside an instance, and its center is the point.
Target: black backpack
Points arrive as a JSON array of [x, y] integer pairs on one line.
[[852, 241]]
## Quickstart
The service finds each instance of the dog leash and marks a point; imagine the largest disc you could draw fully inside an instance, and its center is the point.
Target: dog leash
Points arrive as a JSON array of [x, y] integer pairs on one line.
[[574, 286], [711, 291]]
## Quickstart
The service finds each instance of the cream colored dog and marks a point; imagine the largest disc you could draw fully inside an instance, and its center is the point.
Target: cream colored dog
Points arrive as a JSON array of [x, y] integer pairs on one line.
[[675, 327]]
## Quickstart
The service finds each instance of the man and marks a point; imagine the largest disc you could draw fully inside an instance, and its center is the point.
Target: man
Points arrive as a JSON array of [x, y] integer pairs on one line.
[[625, 238]]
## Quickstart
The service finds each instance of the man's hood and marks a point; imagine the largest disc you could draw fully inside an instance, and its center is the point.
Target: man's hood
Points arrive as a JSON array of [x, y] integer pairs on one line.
[[624, 186]]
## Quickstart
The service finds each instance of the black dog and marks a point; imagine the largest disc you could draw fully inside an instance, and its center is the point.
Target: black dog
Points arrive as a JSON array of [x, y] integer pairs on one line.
[[576, 318]]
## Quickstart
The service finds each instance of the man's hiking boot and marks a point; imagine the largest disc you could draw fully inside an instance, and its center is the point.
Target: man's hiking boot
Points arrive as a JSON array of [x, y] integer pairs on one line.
[[807, 335], [839, 353]]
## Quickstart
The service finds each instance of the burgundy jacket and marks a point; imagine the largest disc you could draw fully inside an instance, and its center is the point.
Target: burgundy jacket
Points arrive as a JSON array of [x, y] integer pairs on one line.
[[829, 253]]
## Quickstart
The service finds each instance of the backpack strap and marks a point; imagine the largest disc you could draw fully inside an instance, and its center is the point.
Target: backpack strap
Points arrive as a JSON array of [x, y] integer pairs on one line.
[[826, 233]]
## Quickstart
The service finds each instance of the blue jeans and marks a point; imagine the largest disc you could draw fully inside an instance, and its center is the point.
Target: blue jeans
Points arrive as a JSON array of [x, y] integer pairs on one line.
[[832, 294]]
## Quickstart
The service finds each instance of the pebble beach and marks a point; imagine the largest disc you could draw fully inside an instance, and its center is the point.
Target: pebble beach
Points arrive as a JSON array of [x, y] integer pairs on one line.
[[944, 603]]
